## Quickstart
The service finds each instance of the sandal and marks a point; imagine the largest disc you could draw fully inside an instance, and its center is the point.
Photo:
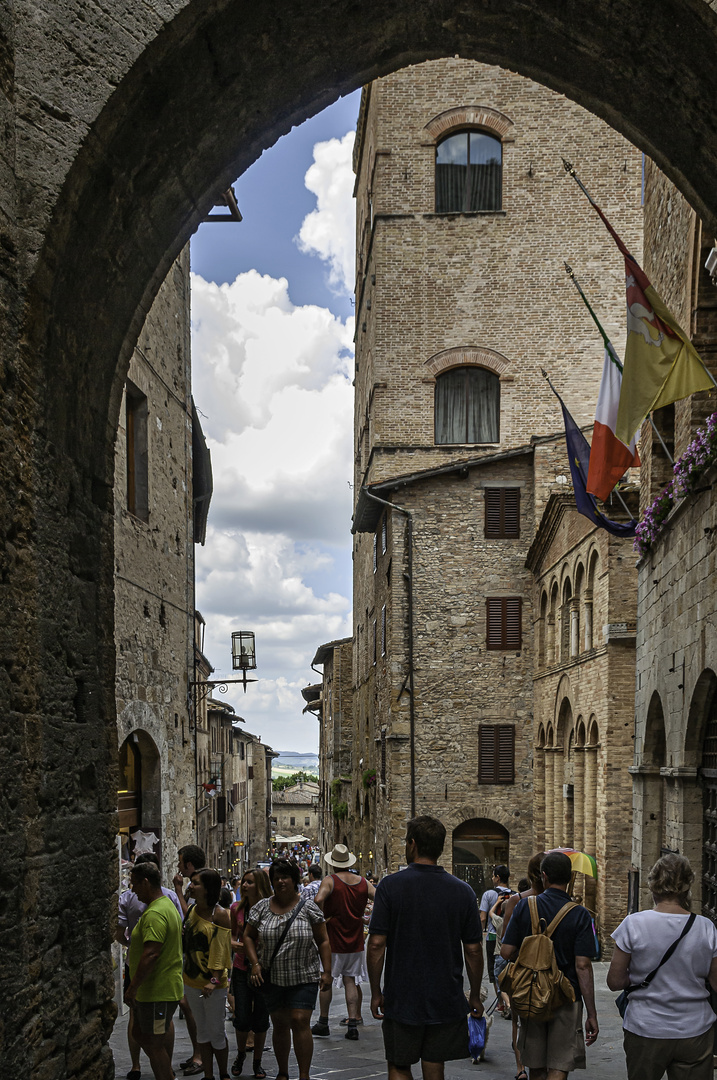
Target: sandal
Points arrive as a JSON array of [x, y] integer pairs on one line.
[[259, 1072], [238, 1063], [522, 1075]]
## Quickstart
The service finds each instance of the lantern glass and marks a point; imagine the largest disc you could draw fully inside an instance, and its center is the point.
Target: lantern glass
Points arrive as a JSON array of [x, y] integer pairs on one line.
[[243, 651]]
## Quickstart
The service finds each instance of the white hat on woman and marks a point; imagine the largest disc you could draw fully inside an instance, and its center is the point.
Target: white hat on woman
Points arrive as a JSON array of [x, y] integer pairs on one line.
[[340, 858]]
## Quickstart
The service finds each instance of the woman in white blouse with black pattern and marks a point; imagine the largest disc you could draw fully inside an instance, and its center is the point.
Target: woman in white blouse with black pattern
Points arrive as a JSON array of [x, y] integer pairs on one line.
[[289, 977]]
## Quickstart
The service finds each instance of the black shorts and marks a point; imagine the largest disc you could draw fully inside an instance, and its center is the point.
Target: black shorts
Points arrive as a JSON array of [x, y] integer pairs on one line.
[[154, 1017], [405, 1044]]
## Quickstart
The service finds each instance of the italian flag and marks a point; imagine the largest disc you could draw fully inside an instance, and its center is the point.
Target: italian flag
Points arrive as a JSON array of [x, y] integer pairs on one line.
[[610, 458]]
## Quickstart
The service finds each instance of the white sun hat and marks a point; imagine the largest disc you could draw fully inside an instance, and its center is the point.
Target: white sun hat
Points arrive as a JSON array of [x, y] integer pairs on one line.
[[340, 858]]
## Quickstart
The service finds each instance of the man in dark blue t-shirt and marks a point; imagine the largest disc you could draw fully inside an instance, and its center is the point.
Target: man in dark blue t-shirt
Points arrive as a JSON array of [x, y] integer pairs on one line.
[[424, 923], [557, 1047]]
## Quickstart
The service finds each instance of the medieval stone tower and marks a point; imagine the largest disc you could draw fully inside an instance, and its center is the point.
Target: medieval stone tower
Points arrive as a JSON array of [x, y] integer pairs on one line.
[[464, 218]]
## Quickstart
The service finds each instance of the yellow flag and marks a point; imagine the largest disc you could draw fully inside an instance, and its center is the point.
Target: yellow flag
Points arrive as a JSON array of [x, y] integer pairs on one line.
[[661, 364]]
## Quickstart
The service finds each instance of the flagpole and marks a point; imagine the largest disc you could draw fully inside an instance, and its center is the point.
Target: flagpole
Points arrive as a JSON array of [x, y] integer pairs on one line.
[[659, 436], [624, 504]]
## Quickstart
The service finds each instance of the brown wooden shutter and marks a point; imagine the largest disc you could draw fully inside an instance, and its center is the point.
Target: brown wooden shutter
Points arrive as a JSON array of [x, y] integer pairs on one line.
[[502, 512], [506, 754], [503, 622], [486, 754], [496, 754], [250, 772]]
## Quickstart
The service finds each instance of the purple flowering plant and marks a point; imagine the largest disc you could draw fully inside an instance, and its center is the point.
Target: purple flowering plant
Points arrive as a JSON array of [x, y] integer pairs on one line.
[[699, 455]]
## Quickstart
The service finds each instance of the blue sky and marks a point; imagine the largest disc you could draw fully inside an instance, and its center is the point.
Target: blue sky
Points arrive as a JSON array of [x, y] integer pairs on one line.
[[274, 201], [272, 319]]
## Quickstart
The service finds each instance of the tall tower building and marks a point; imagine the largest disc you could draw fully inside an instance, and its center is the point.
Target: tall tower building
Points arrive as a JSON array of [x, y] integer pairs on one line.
[[464, 218]]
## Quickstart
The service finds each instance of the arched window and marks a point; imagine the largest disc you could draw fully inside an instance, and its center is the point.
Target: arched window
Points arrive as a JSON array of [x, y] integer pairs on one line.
[[468, 173], [467, 406]]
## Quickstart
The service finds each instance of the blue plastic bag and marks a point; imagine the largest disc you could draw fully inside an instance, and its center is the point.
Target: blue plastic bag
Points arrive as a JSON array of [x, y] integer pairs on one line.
[[476, 1036]]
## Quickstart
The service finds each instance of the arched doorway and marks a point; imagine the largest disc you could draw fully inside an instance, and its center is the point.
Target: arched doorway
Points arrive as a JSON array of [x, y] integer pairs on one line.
[[139, 796], [478, 845]]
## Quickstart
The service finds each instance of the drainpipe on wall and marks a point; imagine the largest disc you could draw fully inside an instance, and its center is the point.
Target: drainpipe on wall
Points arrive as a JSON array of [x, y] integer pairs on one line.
[[409, 580]]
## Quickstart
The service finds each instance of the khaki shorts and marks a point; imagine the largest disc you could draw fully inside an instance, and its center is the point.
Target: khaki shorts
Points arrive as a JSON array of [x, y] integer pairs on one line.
[[559, 1044]]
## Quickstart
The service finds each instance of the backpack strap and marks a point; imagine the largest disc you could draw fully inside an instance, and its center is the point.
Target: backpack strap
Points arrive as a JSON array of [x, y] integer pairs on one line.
[[534, 916], [550, 930]]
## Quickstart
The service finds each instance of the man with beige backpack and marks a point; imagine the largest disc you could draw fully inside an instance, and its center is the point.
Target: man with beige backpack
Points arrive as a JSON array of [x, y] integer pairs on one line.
[[549, 946]]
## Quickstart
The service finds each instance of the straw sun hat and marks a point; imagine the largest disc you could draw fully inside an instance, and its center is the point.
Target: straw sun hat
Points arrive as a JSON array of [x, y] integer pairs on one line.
[[340, 858]]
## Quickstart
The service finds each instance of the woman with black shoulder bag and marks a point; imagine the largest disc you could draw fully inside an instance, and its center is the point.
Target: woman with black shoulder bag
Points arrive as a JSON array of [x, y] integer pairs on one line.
[[292, 937], [664, 962]]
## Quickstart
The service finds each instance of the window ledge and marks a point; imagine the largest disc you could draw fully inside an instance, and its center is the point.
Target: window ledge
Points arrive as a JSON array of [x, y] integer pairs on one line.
[[465, 213]]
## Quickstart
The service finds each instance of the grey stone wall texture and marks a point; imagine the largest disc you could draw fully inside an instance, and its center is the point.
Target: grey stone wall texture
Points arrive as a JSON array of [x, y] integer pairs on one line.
[[121, 124], [676, 693], [436, 291], [154, 575]]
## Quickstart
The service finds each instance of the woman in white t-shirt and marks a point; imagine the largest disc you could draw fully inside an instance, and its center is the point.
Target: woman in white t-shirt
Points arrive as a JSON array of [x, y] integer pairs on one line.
[[668, 1023]]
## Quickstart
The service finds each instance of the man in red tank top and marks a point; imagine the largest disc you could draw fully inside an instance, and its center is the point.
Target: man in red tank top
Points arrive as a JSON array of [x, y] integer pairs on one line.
[[343, 897]]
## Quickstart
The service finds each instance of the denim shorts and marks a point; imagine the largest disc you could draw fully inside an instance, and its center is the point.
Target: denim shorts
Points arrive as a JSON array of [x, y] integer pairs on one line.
[[250, 1011], [302, 996]]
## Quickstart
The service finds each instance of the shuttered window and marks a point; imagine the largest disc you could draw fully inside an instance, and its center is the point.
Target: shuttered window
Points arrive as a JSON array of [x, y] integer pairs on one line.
[[383, 755], [503, 622], [383, 630], [502, 513], [496, 753]]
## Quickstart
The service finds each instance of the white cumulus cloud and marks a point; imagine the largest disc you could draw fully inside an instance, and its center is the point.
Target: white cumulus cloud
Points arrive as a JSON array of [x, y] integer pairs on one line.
[[329, 231], [272, 382]]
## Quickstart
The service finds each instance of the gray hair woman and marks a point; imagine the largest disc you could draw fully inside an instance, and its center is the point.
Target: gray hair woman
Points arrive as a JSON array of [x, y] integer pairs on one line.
[[667, 1025]]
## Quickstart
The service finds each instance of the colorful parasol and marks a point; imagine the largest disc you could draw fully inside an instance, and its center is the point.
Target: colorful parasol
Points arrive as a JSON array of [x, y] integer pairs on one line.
[[581, 863]]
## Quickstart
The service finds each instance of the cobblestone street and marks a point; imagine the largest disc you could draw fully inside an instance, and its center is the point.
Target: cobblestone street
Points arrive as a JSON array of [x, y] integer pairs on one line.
[[341, 1060]]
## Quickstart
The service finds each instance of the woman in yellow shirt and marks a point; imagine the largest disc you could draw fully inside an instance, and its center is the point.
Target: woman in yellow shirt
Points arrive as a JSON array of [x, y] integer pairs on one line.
[[207, 959]]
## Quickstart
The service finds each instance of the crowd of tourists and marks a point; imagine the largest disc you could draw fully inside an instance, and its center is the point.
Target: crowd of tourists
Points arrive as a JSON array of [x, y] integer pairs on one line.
[[272, 945]]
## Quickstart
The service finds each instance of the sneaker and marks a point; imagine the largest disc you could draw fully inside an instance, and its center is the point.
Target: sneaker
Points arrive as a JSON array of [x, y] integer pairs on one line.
[[351, 1033], [320, 1030], [345, 1022]]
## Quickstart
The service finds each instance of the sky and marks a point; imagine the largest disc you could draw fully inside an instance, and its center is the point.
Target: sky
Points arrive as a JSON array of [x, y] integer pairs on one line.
[[272, 347]]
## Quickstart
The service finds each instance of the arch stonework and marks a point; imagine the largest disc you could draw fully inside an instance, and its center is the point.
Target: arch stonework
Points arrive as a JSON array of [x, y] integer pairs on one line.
[[131, 156], [469, 116], [468, 354]]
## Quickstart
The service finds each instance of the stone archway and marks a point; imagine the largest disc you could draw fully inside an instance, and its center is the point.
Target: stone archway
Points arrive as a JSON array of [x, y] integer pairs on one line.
[[105, 176], [478, 845]]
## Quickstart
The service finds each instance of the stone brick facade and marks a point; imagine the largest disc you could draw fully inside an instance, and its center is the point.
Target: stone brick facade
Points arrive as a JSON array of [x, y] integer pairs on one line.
[[447, 291], [584, 648], [154, 579], [296, 810], [675, 770]]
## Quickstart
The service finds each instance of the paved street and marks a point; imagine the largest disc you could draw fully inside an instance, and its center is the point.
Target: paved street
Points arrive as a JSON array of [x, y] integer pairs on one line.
[[341, 1060]]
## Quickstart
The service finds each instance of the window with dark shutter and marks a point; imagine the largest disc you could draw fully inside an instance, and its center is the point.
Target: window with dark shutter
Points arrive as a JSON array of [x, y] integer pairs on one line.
[[496, 753], [383, 755], [375, 552], [384, 535], [250, 772], [383, 630], [375, 641], [503, 622], [502, 513]]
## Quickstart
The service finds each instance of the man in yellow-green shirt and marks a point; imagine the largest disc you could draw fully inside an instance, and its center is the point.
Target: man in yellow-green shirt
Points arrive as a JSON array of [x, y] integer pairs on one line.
[[155, 967]]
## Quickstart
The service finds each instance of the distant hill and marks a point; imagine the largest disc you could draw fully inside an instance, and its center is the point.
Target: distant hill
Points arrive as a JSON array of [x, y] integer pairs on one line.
[[289, 762]]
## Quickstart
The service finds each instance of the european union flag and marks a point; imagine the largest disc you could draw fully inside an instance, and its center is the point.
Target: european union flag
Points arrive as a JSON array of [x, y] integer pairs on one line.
[[579, 458]]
